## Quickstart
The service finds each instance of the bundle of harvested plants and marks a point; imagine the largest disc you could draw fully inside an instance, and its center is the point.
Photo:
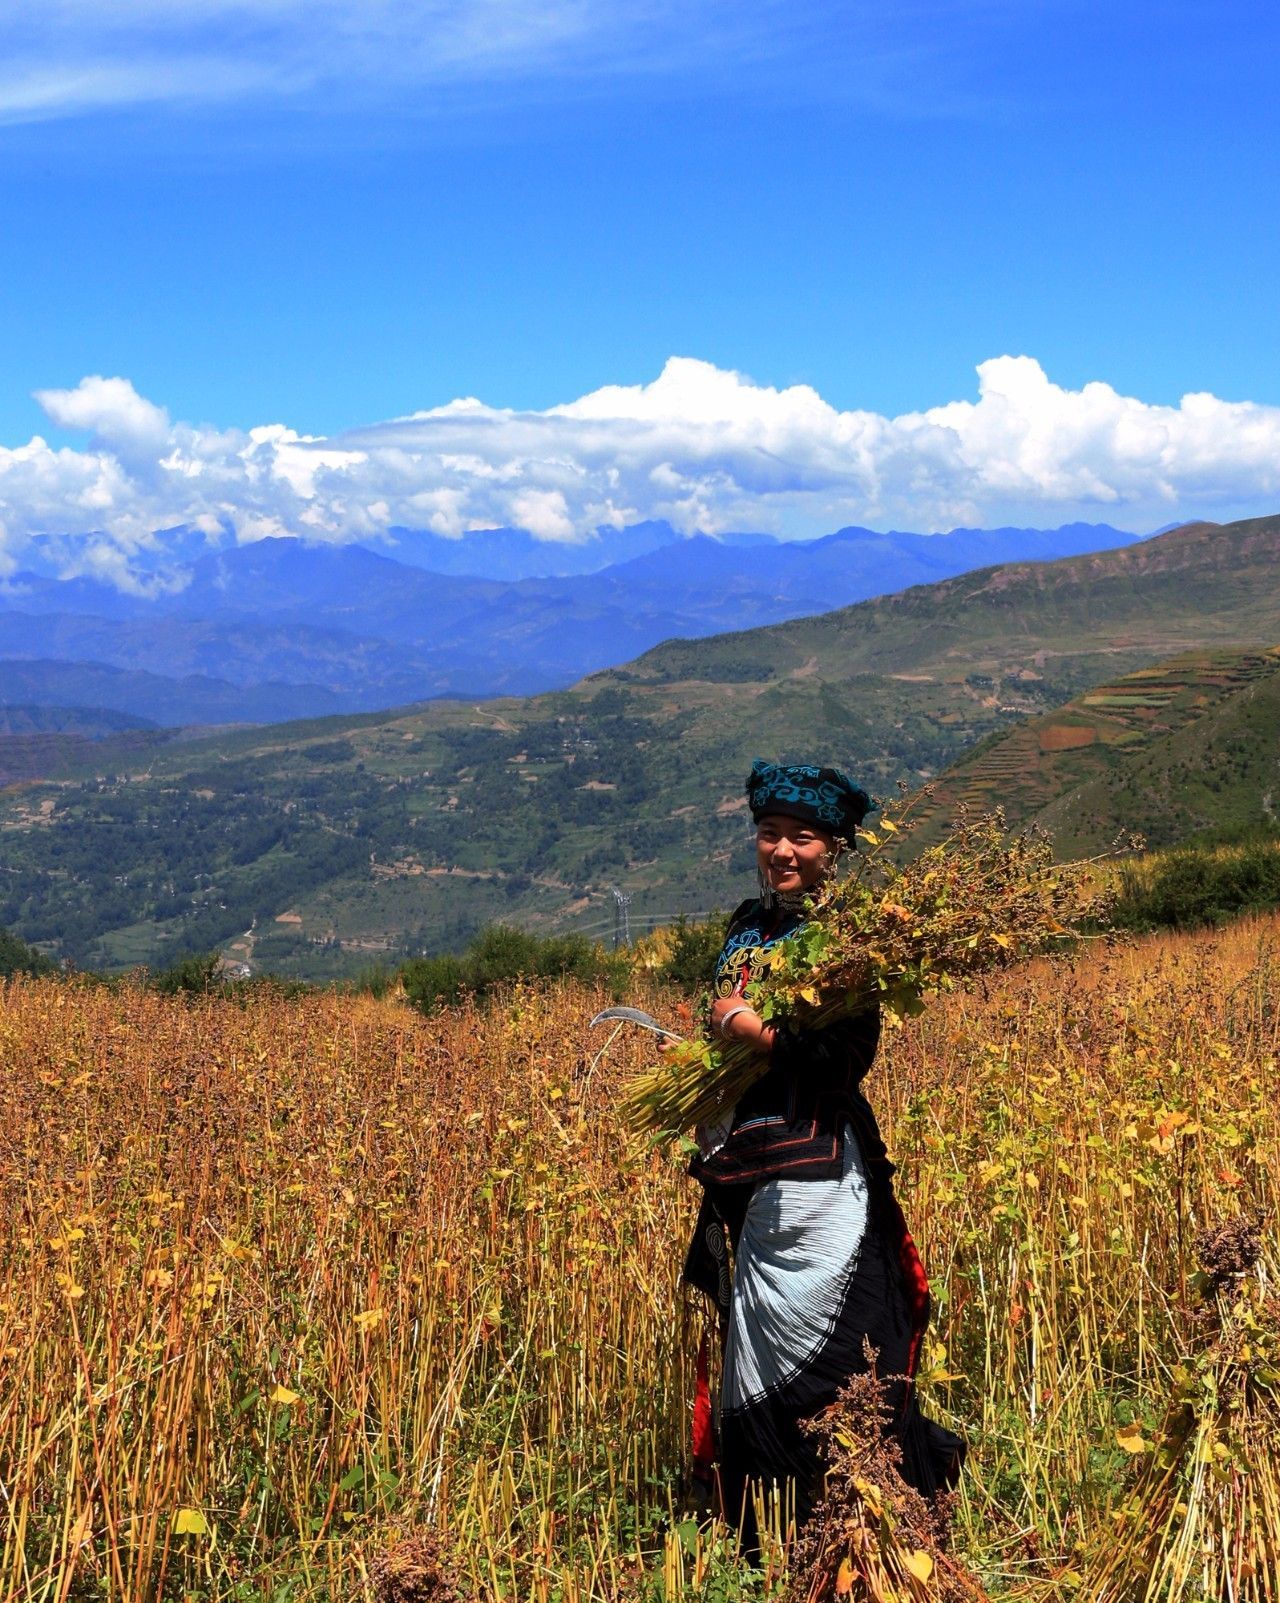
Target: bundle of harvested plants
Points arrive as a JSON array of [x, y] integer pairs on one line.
[[873, 1538], [1202, 1516], [890, 930]]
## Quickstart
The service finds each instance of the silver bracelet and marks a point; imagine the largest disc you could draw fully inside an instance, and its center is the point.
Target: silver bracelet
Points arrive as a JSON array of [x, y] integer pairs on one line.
[[732, 1014]]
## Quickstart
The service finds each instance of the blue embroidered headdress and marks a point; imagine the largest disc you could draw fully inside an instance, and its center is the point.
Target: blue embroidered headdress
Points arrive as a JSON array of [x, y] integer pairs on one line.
[[821, 796]]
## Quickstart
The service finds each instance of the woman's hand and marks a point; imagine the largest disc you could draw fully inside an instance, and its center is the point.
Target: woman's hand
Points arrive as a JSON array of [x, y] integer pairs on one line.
[[684, 1016], [733, 1020]]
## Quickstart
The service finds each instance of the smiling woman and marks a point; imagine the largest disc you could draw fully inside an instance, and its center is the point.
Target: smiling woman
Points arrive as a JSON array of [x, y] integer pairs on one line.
[[798, 1192]]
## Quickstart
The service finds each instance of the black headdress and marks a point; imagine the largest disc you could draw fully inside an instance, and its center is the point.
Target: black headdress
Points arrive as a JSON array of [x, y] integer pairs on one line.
[[821, 796]]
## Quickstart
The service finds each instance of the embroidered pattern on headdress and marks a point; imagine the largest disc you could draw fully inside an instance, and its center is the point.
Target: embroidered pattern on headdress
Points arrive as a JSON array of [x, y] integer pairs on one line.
[[824, 794]]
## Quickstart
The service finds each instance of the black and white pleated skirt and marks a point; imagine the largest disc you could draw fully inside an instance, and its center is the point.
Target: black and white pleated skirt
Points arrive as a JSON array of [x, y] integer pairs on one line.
[[823, 1270]]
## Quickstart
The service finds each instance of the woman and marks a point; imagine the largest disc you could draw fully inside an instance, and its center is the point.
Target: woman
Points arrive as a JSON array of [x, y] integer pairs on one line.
[[797, 1179]]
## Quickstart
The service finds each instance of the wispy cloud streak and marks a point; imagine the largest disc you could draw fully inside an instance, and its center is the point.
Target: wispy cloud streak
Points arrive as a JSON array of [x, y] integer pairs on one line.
[[63, 58]]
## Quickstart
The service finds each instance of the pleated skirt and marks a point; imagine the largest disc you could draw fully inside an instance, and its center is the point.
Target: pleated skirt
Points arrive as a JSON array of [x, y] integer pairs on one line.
[[825, 1277]]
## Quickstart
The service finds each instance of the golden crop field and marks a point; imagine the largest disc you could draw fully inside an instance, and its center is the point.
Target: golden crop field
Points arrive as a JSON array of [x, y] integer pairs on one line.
[[287, 1281]]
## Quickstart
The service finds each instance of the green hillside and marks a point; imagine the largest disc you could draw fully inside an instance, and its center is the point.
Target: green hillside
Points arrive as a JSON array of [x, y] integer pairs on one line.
[[1188, 747], [315, 847], [1023, 623]]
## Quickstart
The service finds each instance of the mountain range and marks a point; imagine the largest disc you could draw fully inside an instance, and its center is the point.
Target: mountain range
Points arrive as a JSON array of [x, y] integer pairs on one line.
[[281, 629], [312, 846]]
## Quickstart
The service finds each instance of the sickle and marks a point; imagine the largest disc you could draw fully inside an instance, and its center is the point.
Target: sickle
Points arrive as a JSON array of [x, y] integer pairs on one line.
[[634, 1015]]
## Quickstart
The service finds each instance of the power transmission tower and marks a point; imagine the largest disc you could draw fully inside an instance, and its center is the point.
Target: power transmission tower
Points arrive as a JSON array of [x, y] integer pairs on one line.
[[621, 918]]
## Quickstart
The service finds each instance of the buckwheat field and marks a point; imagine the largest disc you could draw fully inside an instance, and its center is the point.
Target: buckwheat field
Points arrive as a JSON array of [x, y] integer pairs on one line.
[[319, 1299]]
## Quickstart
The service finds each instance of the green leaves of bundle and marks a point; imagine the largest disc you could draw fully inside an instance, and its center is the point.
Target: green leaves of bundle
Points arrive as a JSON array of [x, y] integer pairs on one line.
[[891, 934]]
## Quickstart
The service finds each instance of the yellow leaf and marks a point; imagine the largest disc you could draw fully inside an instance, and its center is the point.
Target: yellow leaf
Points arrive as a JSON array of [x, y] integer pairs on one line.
[[189, 1522], [1170, 1120], [283, 1396], [844, 1578], [1130, 1437], [870, 1494], [371, 1317], [919, 1563]]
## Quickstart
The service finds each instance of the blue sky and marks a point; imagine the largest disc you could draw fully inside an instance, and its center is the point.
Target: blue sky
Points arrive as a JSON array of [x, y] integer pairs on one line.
[[329, 214]]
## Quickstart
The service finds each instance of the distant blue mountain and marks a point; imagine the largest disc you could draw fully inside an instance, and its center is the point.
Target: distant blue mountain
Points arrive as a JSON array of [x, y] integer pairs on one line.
[[154, 699], [172, 549], [245, 631], [517, 554], [91, 723]]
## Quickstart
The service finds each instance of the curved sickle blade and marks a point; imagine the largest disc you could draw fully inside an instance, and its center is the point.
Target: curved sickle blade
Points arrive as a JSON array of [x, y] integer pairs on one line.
[[634, 1015]]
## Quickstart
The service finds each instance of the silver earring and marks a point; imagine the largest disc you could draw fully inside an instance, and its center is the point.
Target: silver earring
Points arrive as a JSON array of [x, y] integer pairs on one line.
[[768, 896]]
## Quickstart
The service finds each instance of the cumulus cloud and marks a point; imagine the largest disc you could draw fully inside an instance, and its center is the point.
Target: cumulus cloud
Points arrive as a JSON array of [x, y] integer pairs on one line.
[[545, 513], [110, 409], [705, 448]]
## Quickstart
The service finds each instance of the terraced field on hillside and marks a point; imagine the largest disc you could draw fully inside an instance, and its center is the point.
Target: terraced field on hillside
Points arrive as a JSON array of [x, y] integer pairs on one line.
[[1058, 767]]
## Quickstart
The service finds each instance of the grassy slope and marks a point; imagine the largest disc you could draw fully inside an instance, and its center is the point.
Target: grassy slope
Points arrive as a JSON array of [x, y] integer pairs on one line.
[[1185, 747], [414, 827], [1200, 585], [1219, 775]]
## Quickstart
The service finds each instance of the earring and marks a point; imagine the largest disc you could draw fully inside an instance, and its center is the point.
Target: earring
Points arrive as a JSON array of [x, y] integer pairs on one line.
[[768, 896]]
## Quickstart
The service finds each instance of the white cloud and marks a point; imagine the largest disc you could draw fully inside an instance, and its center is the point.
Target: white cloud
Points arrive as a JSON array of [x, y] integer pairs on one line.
[[545, 513], [63, 58], [70, 57], [699, 446], [39, 89], [110, 409]]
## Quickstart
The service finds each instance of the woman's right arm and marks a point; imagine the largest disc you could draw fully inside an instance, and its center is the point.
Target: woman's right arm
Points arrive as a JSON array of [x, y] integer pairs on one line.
[[732, 1019]]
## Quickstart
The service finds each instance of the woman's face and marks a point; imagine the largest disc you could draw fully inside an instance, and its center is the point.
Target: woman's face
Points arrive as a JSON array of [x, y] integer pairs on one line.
[[793, 855]]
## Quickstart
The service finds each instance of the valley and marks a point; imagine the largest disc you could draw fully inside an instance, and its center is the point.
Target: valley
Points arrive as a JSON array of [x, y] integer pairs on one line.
[[382, 834]]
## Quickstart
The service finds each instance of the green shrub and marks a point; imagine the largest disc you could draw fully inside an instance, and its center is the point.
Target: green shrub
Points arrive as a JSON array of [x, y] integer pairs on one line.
[[188, 976], [694, 949], [431, 983], [499, 954], [1193, 887], [200, 975], [377, 981], [16, 957]]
